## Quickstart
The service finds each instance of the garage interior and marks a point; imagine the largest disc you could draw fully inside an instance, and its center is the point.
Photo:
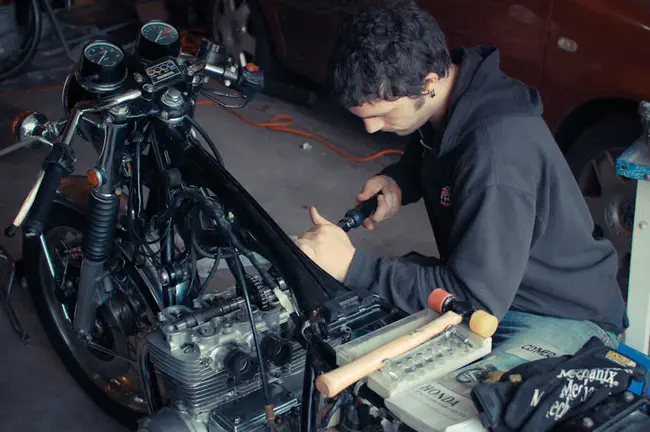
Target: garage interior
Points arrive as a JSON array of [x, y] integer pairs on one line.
[[300, 169]]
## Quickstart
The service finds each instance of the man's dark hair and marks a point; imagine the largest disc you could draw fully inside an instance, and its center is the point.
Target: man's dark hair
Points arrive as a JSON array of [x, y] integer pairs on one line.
[[384, 52]]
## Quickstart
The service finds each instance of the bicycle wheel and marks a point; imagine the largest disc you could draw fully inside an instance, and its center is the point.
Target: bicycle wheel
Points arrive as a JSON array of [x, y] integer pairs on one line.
[[19, 39]]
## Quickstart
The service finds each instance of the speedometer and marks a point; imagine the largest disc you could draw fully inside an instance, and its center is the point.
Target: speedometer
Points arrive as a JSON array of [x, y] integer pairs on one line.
[[102, 66], [160, 33], [157, 40], [103, 54]]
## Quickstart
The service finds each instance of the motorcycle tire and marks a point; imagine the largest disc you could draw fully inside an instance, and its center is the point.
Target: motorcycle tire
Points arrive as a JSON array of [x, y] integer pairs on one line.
[[34, 266]]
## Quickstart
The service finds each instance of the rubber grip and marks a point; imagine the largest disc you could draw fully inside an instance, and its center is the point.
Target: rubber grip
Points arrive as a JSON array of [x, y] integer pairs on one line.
[[437, 299], [332, 383], [368, 207], [11, 230], [483, 323], [35, 222], [361, 212]]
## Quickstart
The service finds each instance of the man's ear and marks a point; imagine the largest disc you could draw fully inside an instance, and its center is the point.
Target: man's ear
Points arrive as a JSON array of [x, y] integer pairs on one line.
[[430, 82]]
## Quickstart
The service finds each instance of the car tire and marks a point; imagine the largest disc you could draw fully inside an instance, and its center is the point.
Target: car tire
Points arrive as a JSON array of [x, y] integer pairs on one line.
[[599, 145], [263, 54]]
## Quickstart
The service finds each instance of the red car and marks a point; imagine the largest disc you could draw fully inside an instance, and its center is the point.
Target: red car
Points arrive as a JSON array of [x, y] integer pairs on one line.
[[589, 58]]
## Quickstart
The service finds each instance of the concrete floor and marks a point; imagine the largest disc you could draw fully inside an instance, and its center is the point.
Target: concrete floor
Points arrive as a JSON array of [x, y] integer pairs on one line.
[[36, 392]]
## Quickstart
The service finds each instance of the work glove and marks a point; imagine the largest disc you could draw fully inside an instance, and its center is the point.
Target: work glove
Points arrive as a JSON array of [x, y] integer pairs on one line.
[[535, 396]]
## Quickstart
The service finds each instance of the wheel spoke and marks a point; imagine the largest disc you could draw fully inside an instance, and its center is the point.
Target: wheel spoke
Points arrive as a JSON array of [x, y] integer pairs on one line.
[[605, 169], [248, 44], [111, 352], [242, 13], [232, 25]]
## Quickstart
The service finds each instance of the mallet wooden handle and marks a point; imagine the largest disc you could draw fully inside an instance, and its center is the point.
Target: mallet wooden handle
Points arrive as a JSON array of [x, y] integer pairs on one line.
[[332, 383]]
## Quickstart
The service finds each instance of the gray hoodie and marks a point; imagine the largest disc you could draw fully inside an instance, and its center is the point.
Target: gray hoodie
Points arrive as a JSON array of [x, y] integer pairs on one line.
[[511, 225]]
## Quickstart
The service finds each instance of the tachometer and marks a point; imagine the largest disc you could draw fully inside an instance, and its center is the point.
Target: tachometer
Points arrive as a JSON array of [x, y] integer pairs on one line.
[[160, 33], [157, 40]]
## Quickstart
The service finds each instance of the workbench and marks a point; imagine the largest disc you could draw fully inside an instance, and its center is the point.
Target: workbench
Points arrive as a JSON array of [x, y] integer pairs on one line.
[[634, 164]]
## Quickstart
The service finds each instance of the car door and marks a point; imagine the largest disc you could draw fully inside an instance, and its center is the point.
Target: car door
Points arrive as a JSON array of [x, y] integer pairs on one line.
[[517, 28], [303, 32]]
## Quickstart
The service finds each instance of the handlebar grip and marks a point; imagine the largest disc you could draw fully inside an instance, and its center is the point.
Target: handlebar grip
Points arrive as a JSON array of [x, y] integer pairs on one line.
[[368, 207], [354, 218], [40, 209]]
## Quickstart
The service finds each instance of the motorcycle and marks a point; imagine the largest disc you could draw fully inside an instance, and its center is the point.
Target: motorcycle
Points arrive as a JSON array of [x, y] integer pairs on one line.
[[117, 261]]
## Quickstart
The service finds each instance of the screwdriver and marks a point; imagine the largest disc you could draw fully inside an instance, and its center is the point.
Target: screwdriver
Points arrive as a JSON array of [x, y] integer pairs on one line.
[[354, 218]]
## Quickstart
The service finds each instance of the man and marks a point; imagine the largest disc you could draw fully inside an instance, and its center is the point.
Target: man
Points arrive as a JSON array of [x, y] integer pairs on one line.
[[512, 228]]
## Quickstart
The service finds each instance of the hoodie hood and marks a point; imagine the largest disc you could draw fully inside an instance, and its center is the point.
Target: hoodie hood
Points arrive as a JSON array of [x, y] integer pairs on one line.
[[483, 93]]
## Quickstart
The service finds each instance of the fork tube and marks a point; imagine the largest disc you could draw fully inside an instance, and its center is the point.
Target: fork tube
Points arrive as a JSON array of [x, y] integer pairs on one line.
[[103, 205]]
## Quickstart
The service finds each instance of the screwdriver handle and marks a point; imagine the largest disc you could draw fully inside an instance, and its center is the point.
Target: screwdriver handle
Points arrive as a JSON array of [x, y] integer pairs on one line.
[[354, 218]]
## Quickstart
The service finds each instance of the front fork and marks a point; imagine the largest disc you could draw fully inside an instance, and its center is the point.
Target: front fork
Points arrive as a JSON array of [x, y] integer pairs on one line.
[[103, 205]]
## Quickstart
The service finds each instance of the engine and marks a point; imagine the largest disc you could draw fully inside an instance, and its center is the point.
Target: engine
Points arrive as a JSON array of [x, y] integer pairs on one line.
[[209, 370]]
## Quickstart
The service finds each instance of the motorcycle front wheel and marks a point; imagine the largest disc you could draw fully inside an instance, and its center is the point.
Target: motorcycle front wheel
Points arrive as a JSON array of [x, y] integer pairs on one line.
[[110, 375]]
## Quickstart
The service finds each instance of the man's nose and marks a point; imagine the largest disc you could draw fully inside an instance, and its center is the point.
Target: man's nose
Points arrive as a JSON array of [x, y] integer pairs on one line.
[[373, 125]]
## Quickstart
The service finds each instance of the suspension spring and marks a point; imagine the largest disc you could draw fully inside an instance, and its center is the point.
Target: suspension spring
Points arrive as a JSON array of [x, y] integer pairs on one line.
[[102, 214]]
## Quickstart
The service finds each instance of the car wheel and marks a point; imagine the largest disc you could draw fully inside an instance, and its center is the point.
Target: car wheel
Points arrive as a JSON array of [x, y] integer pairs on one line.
[[610, 197], [241, 23], [231, 25]]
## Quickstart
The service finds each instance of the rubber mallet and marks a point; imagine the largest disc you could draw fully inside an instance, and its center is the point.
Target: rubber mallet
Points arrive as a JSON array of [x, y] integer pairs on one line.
[[452, 313]]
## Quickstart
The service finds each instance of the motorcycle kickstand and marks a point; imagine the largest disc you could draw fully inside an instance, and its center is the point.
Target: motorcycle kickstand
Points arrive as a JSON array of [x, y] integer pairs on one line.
[[5, 298]]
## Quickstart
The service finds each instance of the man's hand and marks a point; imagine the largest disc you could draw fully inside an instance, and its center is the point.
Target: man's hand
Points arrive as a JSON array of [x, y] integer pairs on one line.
[[327, 245], [388, 203]]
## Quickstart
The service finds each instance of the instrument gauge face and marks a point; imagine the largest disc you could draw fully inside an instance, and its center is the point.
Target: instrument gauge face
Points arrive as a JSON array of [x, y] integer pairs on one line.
[[160, 33], [102, 67], [104, 54]]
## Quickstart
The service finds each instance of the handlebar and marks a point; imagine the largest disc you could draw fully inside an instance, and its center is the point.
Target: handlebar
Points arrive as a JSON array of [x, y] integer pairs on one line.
[[84, 107], [36, 206]]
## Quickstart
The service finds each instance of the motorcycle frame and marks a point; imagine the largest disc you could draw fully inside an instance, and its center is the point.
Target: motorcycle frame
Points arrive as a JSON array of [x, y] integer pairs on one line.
[[310, 285]]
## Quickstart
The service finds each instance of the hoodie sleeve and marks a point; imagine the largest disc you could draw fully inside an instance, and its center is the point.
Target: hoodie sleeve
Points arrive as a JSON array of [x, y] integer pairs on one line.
[[406, 172], [492, 234]]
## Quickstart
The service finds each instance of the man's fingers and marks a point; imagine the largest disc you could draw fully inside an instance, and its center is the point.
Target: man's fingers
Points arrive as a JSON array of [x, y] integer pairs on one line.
[[316, 218], [391, 203], [371, 187], [368, 224], [382, 208]]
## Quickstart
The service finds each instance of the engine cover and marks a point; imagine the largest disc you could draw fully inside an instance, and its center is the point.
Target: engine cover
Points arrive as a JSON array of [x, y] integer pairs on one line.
[[213, 363]]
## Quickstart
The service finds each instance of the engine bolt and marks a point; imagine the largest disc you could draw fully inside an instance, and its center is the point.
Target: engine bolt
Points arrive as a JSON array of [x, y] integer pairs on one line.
[[628, 396], [236, 420], [188, 349], [587, 422], [148, 88], [138, 78]]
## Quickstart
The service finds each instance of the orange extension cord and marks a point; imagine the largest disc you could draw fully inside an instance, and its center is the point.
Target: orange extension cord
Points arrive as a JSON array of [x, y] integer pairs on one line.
[[278, 123], [281, 122]]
